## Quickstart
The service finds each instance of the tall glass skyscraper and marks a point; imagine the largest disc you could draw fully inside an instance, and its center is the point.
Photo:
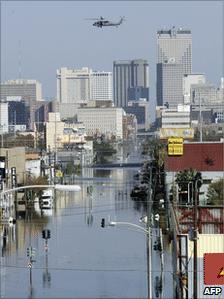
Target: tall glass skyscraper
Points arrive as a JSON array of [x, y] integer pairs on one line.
[[130, 81], [174, 59]]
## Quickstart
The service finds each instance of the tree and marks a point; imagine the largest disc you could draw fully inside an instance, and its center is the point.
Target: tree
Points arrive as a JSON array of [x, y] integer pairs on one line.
[[156, 149], [184, 178], [215, 193]]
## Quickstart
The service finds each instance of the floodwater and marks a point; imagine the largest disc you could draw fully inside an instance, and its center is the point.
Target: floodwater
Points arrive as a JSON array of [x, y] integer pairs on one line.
[[83, 259]]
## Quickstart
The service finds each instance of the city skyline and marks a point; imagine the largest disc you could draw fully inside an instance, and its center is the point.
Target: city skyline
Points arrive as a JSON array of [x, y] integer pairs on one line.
[[58, 36]]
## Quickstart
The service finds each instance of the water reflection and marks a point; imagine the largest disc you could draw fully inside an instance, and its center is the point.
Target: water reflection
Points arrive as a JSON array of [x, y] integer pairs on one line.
[[81, 259]]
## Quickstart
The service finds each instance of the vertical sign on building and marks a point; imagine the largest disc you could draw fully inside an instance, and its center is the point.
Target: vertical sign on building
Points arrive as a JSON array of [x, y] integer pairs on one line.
[[13, 177], [2, 171]]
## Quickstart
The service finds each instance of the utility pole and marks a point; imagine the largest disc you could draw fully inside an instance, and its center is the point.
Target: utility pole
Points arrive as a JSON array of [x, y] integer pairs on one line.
[[30, 254], [196, 195], [149, 245], [200, 119]]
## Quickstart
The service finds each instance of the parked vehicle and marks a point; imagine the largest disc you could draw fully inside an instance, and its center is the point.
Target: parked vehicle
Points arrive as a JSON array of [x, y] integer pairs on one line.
[[47, 199]]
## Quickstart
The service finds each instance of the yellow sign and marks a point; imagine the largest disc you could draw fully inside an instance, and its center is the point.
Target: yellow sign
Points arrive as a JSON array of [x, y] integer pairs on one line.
[[59, 174], [175, 146], [165, 133]]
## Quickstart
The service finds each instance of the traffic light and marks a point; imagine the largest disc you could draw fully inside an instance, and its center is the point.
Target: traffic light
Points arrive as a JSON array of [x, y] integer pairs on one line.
[[33, 251], [48, 234], [103, 222], [28, 253]]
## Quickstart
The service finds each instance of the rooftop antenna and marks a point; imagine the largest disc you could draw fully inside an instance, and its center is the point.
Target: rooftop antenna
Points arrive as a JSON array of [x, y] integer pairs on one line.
[[20, 60]]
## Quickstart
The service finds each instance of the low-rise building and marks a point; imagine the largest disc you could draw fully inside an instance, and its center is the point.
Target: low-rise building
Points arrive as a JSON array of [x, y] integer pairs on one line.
[[4, 121], [14, 158], [60, 134], [102, 120], [129, 126], [176, 117]]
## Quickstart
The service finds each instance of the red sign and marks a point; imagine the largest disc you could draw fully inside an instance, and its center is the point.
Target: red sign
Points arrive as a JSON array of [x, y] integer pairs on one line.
[[214, 268]]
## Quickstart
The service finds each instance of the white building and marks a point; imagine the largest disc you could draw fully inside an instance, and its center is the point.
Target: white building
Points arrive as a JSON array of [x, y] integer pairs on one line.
[[30, 90], [188, 80], [177, 118], [98, 121], [4, 122], [60, 134], [83, 85], [101, 86], [73, 86]]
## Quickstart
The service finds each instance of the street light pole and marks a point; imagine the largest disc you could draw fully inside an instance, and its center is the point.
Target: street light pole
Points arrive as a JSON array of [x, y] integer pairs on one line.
[[149, 244], [149, 235], [196, 197]]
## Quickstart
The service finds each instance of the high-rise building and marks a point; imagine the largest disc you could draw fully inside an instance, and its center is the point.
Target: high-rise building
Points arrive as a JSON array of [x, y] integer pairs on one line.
[[28, 90], [130, 79], [174, 59], [73, 86], [169, 84], [101, 86], [76, 86]]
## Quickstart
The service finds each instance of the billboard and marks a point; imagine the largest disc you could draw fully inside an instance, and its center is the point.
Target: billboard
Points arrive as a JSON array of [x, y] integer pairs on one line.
[[187, 133]]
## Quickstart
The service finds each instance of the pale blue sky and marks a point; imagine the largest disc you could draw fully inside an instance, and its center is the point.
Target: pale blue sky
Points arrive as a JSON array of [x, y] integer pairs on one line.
[[54, 34]]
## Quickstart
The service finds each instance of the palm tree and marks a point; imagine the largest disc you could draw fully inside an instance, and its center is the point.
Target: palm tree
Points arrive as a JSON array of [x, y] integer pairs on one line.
[[184, 178]]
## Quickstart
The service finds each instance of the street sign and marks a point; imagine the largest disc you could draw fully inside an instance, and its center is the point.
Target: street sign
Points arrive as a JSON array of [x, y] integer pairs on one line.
[[175, 146], [59, 174]]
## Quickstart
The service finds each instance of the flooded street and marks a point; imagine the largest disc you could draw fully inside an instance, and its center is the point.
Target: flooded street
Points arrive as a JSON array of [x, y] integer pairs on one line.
[[83, 259]]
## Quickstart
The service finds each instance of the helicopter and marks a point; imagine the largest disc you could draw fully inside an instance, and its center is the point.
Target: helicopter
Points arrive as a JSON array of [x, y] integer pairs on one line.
[[102, 22]]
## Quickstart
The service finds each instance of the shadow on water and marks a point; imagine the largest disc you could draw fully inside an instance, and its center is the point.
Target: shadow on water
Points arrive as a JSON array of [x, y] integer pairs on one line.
[[105, 173]]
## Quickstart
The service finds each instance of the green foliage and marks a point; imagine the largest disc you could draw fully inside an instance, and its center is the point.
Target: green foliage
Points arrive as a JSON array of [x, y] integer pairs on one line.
[[105, 148], [208, 135], [215, 193], [187, 181], [72, 169], [183, 178], [157, 150], [11, 140]]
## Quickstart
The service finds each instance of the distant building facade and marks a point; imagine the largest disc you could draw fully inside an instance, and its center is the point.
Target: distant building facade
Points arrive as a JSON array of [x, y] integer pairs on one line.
[[101, 86], [18, 114], [60, 134], [141, 110], [188, 81], [130, 81], [176, 118], [129, 126], [75, 86], [174, 59], [98, 121], [203, 94], [4, 121], [21, 89]]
